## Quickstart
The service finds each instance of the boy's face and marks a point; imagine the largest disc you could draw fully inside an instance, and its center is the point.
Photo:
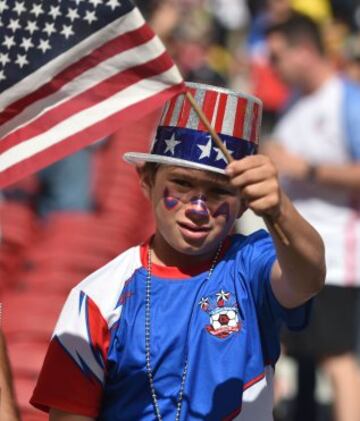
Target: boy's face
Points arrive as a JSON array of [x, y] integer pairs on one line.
[[194, 210]]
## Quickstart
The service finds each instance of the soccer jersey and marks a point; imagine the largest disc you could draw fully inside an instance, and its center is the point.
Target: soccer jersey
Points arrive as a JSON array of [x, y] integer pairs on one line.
[[225, 325]]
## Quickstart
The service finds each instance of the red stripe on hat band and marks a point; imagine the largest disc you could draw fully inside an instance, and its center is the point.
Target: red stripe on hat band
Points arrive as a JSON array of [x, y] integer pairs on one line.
[[185, 110], [208, 108], [220, 112], [254, 123], [240, 117]]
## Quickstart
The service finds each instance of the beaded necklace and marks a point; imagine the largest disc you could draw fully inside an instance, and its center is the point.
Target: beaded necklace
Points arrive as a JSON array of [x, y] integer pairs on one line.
[[148, 336]]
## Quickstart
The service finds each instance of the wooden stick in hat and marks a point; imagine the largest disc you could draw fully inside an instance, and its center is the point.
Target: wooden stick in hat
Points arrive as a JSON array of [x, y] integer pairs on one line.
[[277, 229]]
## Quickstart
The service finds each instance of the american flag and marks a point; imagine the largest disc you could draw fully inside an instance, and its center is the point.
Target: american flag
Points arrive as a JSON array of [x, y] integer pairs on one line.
[[72, 72]]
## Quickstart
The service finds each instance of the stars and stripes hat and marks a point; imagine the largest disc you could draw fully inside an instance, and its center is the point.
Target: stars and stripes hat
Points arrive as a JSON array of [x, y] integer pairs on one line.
[[182, 139]]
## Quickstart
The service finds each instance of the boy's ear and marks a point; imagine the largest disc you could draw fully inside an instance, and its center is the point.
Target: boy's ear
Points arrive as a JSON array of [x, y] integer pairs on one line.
[[145, 181]]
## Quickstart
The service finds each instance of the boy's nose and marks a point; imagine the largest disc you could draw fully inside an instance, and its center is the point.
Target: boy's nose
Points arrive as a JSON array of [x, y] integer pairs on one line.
[[197, 209]]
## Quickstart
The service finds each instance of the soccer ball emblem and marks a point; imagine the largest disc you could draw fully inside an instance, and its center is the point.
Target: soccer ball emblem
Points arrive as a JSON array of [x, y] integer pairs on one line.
[[223, 318], [223, 312]]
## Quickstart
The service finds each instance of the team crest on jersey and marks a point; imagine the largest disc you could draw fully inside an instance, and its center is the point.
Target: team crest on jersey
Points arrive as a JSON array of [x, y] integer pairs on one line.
[[223, 312]]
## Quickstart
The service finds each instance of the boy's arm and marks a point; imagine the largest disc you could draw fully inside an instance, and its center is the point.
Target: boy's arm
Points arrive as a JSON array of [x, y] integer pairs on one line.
[[299, 272], [8, 407], [57, 415]]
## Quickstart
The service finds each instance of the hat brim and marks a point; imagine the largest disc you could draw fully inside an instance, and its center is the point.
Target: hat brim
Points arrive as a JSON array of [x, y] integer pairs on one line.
[[137, 158]]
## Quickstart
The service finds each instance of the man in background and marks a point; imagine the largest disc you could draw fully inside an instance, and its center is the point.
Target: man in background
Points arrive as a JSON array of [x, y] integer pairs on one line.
[[316, 148]]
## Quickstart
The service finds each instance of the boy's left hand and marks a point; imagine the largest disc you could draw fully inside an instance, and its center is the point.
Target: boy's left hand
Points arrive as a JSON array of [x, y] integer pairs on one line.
[[256, 179]]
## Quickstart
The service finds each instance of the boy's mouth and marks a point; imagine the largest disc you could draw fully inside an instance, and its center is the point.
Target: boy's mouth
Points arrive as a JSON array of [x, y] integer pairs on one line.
[[194, 228]]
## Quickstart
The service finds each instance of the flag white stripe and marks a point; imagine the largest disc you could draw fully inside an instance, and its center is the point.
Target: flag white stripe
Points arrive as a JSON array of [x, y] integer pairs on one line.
[[88, 79], [129, 22], [136, 93]]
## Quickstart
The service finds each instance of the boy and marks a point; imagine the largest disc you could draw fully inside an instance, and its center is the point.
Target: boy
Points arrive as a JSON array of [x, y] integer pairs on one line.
[[185, 326]]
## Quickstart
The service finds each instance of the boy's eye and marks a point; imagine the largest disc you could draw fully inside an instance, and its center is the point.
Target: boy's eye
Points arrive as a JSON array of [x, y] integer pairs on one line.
[[222, 192], [181, 182]]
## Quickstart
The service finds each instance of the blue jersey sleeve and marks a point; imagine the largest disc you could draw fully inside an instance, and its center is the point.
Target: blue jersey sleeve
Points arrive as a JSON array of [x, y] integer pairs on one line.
[[259, 259]]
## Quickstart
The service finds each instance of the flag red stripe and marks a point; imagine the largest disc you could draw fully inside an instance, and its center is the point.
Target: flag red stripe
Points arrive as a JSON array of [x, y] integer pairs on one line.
[[170, 111], [254, 122], [220, 112], [185, 112], [240, 117], [81, 139], [208, 108], [97, 94], [110, 49]]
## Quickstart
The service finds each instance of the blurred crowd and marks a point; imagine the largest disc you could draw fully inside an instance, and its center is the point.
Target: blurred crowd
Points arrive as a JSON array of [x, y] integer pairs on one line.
[[61, 224]]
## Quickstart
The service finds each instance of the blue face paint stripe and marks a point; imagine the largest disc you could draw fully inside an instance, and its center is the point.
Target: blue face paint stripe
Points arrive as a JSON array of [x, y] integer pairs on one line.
[[223, 209], [170, 201]]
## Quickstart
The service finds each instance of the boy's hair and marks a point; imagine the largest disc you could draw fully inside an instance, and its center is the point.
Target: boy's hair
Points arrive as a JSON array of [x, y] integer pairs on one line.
[[299, 29]]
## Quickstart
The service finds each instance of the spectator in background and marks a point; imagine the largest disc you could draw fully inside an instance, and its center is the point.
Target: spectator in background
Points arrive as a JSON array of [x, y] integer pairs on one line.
[[265, 84], [316, 147], [8, 408]]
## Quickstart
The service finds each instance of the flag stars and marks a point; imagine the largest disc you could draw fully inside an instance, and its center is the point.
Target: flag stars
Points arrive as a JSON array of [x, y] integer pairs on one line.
[[14, 25], [19, 8], [3, 5], [2, 75], [113, 4], [171, 144], [44, 45], [67, 31], [21, 60], [95, 3], [73, 14], [90, 17], [78, 2], [37, 10], [31, 27], [4, 59], [9, 42], [54, 12], [49, 28], [26, 43]]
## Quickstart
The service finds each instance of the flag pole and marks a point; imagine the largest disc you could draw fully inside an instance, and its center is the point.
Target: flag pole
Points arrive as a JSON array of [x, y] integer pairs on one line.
[[268, 220]]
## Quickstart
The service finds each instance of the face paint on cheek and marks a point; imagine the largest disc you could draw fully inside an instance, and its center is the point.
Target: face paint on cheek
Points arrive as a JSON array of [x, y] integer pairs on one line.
[[223, 209], [170, 201]]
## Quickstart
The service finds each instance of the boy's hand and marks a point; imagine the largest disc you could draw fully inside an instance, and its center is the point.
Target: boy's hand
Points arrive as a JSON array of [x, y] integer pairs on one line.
[[256, 179]]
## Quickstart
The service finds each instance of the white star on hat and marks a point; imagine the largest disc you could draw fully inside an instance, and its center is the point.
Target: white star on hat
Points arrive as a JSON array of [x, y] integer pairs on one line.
[[205, 149], [220, 155], [171, 144]]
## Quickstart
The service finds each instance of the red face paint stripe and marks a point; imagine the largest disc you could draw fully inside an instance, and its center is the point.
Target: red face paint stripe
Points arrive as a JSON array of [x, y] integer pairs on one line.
[[220, 113], [208, 108], [240, 117], [254, 123], [185, 112]]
